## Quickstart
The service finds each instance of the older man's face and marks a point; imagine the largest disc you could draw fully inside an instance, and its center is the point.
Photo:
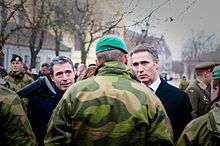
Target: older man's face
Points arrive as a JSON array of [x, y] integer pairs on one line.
[[63, 76], [145, 67]]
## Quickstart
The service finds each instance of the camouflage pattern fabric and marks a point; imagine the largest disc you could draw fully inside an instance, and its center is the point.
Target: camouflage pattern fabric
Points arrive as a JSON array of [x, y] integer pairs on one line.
[[199, 98], [183, 84], [14, 126], [203, 131], [110, 109], [18, 80], [3, 82]]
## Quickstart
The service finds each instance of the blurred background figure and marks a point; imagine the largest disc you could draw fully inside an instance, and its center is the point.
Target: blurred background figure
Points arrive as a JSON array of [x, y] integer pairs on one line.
[[89, 72], [81, 68], [45, 71], [183, 83], [17, 77], [198, 91], [204, 130]]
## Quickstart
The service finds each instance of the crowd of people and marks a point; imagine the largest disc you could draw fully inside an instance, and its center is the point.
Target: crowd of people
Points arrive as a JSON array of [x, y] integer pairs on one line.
[[108, 103]]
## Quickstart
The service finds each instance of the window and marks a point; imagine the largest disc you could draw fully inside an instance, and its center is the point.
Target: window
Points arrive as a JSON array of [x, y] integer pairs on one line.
[[27, 59], [37, 66]]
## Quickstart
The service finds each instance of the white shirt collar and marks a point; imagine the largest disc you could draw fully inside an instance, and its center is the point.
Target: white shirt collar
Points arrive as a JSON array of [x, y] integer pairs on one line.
[[155, 84]]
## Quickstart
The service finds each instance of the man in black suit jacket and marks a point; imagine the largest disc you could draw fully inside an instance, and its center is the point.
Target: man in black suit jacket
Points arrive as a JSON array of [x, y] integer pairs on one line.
[[145, 63]]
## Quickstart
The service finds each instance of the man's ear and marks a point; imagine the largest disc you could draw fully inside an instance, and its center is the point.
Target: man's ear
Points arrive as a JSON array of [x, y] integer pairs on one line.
[[157, 62], [97, 62], [126, 59], [52, 78]]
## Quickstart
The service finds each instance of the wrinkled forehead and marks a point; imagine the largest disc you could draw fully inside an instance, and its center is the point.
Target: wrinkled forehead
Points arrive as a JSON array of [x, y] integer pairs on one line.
[[141, 56], [62, 67]]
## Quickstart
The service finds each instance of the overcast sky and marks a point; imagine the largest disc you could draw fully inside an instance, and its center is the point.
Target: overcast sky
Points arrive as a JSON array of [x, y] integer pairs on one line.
[[202, 15]]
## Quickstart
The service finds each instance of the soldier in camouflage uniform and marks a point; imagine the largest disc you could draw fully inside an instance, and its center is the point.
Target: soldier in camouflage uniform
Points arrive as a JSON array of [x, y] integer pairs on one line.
[[183, 83], [14, 126], [198, 90], [111, 108], [205, 130], [16, 78]]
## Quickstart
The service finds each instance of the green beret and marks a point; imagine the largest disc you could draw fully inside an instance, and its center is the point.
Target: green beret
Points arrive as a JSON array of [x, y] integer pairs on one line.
[[216, 72], [110, 42], [204, 67], [16, 58]]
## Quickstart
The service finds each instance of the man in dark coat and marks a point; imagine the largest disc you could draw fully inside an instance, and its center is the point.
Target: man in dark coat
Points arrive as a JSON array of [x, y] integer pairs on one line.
[[145, 63], [40, 107]]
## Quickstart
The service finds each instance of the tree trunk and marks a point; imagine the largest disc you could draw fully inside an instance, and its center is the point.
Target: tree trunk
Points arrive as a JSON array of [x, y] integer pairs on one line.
[[33, 59], [83, 52], [58, 38], [83, 56], [2, 55]]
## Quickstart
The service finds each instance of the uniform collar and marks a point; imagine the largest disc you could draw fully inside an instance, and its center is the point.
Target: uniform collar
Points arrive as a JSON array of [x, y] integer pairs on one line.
[[115, 68]]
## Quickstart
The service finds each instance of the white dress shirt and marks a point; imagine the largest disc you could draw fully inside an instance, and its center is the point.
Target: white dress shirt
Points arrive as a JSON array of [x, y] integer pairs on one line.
[[154, 86]]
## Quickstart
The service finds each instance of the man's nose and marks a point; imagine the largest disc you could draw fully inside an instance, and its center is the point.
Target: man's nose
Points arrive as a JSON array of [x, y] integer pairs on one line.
[[140, 68], [65, 76]]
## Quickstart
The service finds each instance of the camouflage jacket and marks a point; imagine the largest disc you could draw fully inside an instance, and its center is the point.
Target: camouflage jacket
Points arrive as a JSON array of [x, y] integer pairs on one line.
[[18, 81], [203, 131], [109, 109], [14, 126], [199, 98], [183, 84]]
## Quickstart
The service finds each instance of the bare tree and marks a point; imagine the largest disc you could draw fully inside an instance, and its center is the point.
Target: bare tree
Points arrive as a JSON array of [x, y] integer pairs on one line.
[[56, 23], [9, 21], [197, 44], [82, 19], [36, 14]]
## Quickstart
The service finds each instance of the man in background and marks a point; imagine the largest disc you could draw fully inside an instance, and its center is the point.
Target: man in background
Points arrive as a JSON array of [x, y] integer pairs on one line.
[[204, 130], [198, 92], [183, 83], [17, 78]]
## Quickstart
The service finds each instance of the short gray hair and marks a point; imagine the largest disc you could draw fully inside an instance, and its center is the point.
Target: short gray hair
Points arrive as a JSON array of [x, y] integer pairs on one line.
[[59, 60], [145, 47]]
